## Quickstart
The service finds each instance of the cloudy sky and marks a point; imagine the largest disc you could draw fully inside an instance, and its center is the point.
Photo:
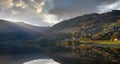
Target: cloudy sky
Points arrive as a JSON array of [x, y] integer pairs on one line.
[[50, 12]]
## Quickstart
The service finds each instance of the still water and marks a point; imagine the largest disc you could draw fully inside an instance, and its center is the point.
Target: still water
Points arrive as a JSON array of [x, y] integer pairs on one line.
[[26, 59], [42, 61]]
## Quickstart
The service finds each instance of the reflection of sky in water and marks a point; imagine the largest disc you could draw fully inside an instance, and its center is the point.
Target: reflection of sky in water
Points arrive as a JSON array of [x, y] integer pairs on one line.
[[42, 61]]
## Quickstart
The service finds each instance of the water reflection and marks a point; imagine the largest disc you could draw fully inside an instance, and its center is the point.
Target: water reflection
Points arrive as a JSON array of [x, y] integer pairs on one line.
[[42, 61], [26, 59]]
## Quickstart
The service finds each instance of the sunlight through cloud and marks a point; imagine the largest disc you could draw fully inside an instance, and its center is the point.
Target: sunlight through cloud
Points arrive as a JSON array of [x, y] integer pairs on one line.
[[51, 19], [106, 8], [50, 12]]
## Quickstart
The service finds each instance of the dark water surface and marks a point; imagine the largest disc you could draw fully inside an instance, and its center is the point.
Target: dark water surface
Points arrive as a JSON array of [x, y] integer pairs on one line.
[[19, 55]]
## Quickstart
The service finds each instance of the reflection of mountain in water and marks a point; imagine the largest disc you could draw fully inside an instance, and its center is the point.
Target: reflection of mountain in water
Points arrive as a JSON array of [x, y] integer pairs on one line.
[[26, 59]]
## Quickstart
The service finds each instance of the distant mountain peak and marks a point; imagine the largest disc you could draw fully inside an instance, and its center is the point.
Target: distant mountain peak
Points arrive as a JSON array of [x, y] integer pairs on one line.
[[16, 31]]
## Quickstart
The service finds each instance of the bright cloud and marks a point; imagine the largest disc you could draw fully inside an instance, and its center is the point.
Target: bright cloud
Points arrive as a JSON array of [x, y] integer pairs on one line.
[[4, 4]]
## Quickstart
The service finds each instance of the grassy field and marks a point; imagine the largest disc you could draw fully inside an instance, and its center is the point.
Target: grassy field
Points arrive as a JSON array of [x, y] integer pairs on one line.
[[110, 42], [100, 41]]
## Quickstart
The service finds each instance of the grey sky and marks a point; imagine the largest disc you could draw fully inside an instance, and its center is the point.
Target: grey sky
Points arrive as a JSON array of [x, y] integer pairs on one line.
[[50, 12]]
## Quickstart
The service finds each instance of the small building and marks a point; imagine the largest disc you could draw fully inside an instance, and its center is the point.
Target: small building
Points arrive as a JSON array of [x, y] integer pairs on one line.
[[116, 39]]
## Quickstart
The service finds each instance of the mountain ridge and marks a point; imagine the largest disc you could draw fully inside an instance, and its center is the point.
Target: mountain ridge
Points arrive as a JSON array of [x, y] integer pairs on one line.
[[90, 25]]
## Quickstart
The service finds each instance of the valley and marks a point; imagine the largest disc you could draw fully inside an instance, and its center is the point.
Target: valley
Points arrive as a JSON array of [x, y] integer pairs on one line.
[[88, 39]]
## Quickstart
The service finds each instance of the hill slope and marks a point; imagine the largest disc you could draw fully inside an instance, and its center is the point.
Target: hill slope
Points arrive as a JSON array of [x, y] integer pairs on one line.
[[10, 31], [91, 25]]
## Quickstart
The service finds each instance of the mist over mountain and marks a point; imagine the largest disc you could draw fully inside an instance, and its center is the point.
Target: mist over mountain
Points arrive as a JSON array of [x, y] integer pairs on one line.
[[10, 31], [32, 27]]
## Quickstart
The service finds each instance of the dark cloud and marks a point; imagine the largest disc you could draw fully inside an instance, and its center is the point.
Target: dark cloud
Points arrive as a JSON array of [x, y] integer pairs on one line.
[[71, 8]]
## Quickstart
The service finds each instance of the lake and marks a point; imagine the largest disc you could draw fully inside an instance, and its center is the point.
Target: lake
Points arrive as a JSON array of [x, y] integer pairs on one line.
[[26, 59]]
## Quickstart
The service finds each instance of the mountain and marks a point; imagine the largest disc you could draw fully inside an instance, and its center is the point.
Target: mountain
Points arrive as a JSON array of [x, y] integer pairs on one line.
[[10, 31], [94, 26]]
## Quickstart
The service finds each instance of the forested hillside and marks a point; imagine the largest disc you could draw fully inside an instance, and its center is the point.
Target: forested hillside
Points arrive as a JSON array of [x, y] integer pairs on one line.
[[95, 26]]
